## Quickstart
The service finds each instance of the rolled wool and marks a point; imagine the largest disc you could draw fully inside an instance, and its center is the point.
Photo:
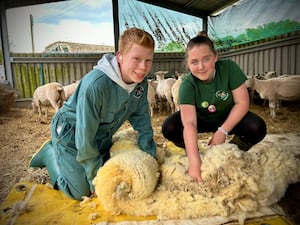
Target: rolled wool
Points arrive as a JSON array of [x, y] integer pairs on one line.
[[234, 182], [126, 176]]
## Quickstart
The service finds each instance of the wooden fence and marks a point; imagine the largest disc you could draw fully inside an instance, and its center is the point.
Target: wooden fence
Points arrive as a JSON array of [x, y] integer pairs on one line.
[[29, 72]]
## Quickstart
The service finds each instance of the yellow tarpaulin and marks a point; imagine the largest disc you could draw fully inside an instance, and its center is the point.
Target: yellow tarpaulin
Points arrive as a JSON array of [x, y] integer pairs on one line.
[[47, 206]]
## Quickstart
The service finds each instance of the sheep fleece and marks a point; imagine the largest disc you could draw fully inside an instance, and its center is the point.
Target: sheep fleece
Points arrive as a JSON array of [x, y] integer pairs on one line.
[[234, 182]]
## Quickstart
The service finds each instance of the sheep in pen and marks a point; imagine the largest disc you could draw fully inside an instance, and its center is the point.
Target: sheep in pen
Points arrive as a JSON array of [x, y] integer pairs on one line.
[[235, 183]]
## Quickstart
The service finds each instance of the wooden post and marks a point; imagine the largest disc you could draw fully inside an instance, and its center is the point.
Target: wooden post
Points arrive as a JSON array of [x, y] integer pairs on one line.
[[31, 32]]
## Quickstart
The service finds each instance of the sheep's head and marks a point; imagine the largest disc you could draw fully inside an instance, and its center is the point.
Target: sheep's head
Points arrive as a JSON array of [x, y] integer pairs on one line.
[[160, 75]]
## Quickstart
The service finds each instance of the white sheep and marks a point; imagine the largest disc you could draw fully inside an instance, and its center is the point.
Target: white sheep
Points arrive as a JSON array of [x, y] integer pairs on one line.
[[266, 75], [175, 89], [70, 88], [151, 97], [270, 74], [49, 94], [154, 83], [164, 89], [250, 85], [250, 81], [284, 88]]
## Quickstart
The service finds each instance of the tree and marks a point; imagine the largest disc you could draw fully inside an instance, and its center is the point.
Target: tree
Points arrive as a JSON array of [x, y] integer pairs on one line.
[[173, 46]]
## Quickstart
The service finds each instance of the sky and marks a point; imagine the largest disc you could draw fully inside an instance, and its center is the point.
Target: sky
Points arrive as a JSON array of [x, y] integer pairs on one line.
[[85, 21], [82, 21]]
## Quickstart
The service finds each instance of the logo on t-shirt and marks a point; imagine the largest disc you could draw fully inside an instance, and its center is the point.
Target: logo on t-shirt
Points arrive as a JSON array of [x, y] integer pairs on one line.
[[222, 94], [139, 92]]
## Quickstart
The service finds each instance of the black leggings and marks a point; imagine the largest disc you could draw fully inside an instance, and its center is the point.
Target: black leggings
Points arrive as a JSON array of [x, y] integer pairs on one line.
[[249, 131]]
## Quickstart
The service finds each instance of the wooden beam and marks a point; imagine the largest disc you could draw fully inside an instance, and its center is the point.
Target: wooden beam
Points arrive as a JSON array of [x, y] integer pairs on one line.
[[5, 46]]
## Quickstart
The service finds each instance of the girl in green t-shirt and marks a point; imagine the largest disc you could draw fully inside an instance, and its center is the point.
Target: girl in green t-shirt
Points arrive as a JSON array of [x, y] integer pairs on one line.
[[213, 97]]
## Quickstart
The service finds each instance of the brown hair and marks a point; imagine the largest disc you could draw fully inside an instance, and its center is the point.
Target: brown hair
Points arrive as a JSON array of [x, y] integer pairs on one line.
[[135, 36], [201, 38]]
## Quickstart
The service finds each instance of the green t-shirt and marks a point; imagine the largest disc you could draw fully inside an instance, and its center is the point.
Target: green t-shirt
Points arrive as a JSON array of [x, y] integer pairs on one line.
[[213, 100]]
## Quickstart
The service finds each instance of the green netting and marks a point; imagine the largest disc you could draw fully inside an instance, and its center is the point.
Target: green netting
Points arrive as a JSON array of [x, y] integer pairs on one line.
[[250, 20], [246, 21]]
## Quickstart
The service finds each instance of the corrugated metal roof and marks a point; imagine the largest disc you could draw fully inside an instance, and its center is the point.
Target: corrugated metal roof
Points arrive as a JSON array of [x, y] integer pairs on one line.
[[199, 8]]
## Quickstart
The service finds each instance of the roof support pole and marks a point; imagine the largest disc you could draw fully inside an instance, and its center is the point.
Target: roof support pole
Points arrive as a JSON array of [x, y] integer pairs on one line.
[[205, 23], [5, 45], [115, 5]]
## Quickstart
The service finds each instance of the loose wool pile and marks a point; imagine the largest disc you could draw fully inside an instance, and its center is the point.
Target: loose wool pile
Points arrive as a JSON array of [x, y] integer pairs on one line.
[[234, 182]]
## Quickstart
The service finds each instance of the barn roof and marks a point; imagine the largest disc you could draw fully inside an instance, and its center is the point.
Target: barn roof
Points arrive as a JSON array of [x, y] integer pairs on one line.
[[199, 8]]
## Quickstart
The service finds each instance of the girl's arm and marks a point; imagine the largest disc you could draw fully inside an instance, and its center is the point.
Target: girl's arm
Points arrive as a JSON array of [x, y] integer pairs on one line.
[[190, 135]]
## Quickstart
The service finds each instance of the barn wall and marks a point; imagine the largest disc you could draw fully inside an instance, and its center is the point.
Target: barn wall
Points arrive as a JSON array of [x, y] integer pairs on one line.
[[282, 56], [170, 62]]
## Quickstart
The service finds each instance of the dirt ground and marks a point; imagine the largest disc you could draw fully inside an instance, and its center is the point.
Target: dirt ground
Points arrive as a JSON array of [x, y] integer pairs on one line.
[[22, 133]]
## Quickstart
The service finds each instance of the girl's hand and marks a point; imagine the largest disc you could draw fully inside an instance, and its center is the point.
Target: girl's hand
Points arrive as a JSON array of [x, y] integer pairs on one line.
[[217, 138], [195, 173]]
